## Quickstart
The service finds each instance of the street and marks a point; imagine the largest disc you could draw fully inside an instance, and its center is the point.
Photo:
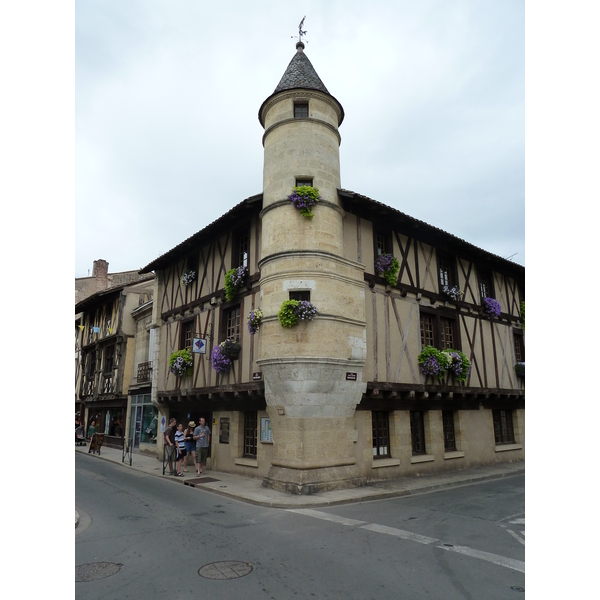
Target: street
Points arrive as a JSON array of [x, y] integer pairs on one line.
[[159, 539]]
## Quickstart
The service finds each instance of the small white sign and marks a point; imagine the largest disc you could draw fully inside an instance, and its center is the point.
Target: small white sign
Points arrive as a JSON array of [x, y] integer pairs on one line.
[[199, 345]]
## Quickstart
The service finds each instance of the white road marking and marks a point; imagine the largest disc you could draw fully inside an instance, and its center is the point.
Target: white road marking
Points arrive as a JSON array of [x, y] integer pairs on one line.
[[518, 521], [496, 559], [317, 514], [516, 536], [405, 535], [503, 561]]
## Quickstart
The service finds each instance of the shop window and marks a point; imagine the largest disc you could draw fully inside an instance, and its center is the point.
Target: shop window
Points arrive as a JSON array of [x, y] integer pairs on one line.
[[224, 430], [503, 427], [449, 434], [417, 432], [381, 434], [143, 421], [250, 434], [300, 110]]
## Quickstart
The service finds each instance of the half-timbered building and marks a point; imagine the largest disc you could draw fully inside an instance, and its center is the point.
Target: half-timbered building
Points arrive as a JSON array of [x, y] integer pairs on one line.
[[340, 399], [106, 332]]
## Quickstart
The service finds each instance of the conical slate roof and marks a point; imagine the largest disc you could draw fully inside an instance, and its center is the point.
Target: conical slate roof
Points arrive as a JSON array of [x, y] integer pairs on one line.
[[300, 74]]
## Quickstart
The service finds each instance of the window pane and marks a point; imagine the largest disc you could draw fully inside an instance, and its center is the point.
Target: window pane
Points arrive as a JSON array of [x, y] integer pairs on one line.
[[417, 432], [250, 434], [427, 330], [381, 435], [448, 424]]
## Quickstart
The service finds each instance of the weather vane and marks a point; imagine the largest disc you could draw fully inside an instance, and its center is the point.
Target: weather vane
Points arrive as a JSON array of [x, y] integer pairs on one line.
[[300, 32]]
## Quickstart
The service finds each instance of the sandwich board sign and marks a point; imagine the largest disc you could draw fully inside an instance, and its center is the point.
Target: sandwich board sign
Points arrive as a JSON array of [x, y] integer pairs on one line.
[[199, 345]]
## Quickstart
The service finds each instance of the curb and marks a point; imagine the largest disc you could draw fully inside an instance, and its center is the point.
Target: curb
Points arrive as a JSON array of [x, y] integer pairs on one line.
[[383, 495]]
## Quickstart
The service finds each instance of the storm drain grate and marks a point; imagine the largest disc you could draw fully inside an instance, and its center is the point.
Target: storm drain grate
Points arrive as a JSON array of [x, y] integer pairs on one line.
[[93, 571], [195, 482], [226, 569]]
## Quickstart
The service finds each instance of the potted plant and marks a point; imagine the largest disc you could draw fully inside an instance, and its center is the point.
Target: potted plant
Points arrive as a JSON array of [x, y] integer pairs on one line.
[[304, 197], [181, 363], [520, 369], [293, 311], [437, 363], [234, 279], [188, 277], [254, 318], [433, 362], [491, 308], [222, 355], [454, 293], [458, 365], [388, 265]]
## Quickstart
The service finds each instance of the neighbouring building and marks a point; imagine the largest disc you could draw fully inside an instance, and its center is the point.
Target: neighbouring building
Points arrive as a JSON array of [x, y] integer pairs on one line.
[[338, 400], [105, 330]]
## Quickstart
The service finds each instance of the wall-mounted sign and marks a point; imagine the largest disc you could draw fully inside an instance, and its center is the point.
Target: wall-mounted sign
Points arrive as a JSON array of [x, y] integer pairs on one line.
[[350, 376], [256, 376], [199, 345], [266, 433]]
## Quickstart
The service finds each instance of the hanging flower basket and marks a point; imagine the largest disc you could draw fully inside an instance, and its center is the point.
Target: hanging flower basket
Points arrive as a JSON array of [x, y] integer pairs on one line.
[[491, 308], [454, 293], [458, 365], [233, 281], [254, 318], [222, 355], [188, 277], [520, 369], [304, 197], [437, 363], [389, 266], [181, 363], [293, 311]]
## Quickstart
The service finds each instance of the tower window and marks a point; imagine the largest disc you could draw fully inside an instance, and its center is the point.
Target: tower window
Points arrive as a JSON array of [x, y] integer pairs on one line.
[[301, 110], [300, 296], [303, 181]]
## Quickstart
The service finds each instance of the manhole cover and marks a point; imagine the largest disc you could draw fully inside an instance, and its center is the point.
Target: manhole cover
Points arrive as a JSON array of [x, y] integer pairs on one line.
[[227, 569], [517, 588], [93, 571], [195, 482]]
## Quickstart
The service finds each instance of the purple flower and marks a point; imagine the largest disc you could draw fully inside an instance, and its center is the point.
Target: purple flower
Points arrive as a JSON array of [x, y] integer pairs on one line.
[[492, 308]]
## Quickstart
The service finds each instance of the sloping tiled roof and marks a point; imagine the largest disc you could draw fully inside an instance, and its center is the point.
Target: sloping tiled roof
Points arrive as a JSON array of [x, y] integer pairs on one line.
[[372, 209], [300, 74], [104, 295], [228, 220]]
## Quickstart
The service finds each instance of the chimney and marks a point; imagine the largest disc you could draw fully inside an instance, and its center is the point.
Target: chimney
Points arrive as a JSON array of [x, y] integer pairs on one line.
[[100, 273]]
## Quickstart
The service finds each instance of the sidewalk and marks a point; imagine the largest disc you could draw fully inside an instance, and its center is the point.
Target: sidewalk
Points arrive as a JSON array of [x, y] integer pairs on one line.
[[249, 489]]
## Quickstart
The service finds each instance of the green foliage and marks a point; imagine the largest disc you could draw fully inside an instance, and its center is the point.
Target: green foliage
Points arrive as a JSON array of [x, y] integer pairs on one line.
[[181, 363], [437, 363], [391, 276], [287, 313]]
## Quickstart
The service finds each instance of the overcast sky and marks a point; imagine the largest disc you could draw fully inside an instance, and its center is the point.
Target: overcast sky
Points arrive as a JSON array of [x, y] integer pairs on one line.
[[167, 98]]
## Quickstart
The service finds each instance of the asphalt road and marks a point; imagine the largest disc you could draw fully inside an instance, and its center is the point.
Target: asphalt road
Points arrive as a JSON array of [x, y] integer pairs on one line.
[[148, 538]]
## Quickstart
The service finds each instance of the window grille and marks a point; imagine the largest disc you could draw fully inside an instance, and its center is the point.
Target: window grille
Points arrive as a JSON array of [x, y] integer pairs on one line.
[[250, 434], [417, 432], [448, 426], [503, 427], [381, 434]]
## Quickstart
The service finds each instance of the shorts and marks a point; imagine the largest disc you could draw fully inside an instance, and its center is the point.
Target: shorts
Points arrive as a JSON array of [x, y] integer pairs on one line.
[[169, 452], [201, 454], [181, 453], [190, 447]]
